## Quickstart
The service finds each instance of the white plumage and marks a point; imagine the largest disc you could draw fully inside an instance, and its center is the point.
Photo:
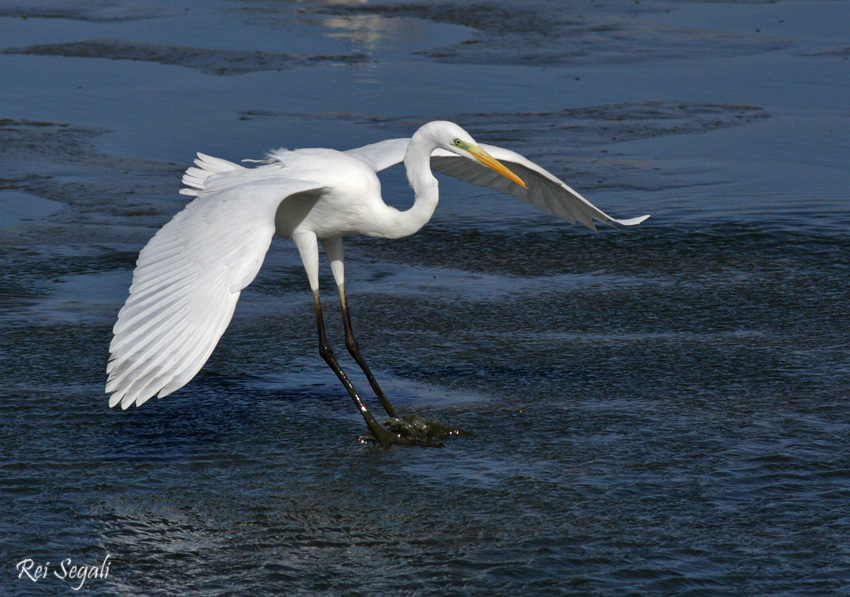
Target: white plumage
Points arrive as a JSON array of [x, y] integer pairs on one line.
[[189, 276], [187, 282]]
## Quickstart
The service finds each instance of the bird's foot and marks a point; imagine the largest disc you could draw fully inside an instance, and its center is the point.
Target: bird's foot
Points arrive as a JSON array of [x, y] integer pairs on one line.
[[413, 430], [414, 426], [387, 439]]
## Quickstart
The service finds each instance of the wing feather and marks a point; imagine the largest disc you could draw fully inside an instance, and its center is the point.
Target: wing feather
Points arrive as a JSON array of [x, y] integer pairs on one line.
[[545, 191], [189, 277], [150, 323]]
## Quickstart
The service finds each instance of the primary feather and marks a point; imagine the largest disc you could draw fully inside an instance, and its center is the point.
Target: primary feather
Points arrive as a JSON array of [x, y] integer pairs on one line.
[[188, 279]]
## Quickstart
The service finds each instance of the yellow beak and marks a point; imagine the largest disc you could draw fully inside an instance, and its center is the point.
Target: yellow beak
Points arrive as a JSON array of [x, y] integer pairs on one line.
[[485, 159]]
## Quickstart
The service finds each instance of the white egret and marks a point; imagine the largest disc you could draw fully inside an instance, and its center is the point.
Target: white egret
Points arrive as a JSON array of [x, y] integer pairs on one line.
[[189, 275]]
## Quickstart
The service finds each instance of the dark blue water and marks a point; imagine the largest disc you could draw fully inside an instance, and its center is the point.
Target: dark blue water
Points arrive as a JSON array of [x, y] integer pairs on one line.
[[658, 410]]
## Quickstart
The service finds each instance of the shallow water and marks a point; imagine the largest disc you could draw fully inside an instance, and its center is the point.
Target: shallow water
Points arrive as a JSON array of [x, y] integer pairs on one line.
[[658, 410]]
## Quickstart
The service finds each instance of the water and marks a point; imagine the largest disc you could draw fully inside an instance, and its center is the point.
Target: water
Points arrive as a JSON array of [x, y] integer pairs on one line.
[[659, 410]]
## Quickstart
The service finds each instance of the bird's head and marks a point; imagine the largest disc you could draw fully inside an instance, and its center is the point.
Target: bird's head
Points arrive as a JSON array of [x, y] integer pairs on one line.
[[453, 138]]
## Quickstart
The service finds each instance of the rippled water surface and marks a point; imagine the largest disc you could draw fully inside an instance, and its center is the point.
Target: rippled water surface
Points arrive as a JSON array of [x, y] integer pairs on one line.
[[658, 410]]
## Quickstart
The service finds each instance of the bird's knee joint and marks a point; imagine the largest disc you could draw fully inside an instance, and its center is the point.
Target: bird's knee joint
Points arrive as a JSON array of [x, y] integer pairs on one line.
[[326, 351]]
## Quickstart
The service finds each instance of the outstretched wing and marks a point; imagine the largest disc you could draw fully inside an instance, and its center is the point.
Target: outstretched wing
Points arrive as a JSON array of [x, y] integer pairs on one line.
[[545, 191], [189, 276]]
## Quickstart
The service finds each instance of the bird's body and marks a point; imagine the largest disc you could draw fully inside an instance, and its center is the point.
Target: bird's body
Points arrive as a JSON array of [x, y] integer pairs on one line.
[[189, 276], [350, 203]]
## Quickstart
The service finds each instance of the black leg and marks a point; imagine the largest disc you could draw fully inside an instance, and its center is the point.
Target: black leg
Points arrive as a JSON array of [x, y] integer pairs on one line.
[[381, 435], [354, 349]]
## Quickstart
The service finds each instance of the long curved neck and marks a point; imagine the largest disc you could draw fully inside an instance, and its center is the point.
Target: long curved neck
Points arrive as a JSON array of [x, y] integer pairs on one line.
[[417, 162]]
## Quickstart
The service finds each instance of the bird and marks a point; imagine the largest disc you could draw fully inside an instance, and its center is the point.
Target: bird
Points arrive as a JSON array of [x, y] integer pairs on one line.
[[189, 276]]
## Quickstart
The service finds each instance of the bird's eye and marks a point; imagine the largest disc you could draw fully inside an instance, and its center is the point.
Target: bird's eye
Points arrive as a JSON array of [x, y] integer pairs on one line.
[[458, 143]]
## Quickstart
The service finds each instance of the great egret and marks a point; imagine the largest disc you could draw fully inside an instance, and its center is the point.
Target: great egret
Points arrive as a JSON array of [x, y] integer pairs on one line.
[[189, 275]]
